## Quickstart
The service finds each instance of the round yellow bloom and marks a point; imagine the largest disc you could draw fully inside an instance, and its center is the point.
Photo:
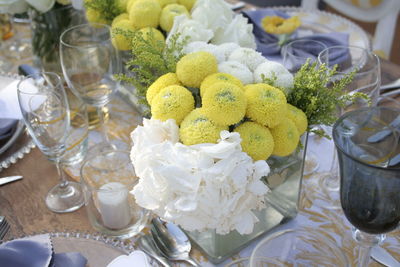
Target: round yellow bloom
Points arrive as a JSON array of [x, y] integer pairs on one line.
[[162, 82], [286, 137], [163, 3], [298, 117], [187, 3], [172, 102], [224, 103], [218, 77], [279, 25], [145, 13], [198, 128], [265, 104], [123, 16], [122, 5], [119, 40], [194, 67], [168, 14], [257, 140], [129, 4], [94, 16]]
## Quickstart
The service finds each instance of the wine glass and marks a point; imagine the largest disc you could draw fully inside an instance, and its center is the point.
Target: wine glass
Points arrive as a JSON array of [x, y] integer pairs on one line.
[[89, 62], [366, 80], [45, 111], [368, 144]]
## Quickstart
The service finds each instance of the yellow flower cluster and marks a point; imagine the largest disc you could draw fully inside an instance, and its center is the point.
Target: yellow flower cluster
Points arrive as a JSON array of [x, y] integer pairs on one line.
[[279, 25], [146, 15], [267, 124]]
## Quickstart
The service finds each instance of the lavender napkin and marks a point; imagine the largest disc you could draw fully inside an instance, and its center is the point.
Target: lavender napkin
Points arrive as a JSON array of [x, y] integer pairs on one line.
[[267, 43], [9, 108], [37, 251]]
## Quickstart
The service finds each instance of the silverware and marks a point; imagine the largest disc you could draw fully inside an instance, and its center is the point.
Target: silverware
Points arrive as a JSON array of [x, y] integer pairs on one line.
[[172, 241], [4, 227], [237, 6], [146, 243], [9, 179], [380, 255], [391, 92], [379, 136], [392, 85]]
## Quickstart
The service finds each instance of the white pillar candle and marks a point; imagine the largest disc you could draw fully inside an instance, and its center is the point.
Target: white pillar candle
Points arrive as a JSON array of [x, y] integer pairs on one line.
[[114, 205]]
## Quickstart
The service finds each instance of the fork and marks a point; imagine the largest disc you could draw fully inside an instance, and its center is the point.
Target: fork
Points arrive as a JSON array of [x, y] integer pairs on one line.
[[4, 227]]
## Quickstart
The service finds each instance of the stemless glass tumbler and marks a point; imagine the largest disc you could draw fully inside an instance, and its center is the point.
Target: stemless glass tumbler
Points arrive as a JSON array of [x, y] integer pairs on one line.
[[90, 62], [367, 143], [46, 114]]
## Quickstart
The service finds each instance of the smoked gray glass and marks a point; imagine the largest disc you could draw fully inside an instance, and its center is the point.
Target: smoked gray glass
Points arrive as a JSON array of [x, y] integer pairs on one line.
[[45, 111]]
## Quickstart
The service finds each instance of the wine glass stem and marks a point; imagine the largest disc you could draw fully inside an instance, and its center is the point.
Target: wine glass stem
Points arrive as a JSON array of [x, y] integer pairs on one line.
[[365, 243], [332, 181], [103, 125], [61, 174]]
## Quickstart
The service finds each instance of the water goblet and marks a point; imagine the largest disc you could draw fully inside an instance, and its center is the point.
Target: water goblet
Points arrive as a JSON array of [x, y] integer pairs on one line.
[[366, 80], [45, 112], [369, 180], [89, 62]]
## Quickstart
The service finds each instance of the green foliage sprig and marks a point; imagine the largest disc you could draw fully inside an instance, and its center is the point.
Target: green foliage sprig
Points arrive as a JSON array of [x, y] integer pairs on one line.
[[320, 96], [108, 9], [150, 59]]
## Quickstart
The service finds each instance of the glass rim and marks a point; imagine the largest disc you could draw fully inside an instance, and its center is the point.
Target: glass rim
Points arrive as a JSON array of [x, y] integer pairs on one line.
[[301, 41], [34, 77], [88, 159], [351, 47], [392, 129], [85, 25]]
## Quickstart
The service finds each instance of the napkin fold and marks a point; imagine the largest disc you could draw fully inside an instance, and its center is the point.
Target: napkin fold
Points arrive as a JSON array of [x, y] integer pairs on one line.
[[9, 109], [37, 251], [267, 43]]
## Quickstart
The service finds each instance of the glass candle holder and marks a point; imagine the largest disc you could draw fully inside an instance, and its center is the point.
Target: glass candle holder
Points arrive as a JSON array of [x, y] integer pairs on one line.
[[107, 179]]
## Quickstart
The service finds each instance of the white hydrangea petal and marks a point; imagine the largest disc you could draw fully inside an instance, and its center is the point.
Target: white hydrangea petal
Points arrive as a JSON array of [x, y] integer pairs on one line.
[[271, 70], [247, 56], [238, 70], [194, 30], [212, 14]]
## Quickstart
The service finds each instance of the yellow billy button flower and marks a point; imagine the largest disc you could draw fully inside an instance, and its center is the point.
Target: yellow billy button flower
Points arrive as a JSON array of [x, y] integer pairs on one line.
[[123, 16], [279, 25], [194, 67], [169, 13], [298, 117], [145, 13], [257, 140], [119, 40], [172, 102], [224, 103], [265, 104], [162, 82], [286, 137], [198, 128], [218, 77], [187, 3], [163, 3]]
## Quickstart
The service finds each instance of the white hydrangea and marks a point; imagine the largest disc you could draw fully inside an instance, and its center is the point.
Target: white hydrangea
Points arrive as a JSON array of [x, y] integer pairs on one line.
[[227, 49], [200, 187], [212, 14], [271, 69], [247, 56], [238, 70], [238, 31], [192, 29], [203, 46]]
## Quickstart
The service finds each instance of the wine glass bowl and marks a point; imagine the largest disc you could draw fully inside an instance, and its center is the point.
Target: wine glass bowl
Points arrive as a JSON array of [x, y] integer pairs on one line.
[[367, 142], [45, 111]]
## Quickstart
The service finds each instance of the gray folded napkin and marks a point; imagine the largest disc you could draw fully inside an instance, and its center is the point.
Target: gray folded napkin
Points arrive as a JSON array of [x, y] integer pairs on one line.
[[267, 43], [6, 128], [37, 251]]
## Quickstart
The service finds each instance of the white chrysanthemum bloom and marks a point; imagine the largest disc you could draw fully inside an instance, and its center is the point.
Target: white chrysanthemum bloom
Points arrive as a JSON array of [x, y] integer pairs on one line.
[[272, 70], [247, 56], [200, 187], [203, 46], [238, 31], [227, 49], [212, 14], [238, 70], [190, 28]]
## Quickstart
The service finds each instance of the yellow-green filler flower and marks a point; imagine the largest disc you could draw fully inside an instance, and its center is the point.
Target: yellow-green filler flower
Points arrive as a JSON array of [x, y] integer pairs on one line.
[[257, 140], [198, 128], [286, 137], [218, 77], [224, 103], [265, 104], [279, 25], [172, 102], [193, 68]]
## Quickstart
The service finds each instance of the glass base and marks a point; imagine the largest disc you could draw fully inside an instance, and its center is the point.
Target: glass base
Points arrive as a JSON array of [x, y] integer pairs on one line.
[[65, 199]]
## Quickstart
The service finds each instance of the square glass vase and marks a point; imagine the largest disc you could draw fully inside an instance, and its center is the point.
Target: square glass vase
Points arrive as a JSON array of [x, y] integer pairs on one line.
[[282, 204]]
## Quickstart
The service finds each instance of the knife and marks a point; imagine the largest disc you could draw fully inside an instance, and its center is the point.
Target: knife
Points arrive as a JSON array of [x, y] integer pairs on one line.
[[380, 255], [379, 136], [9, 179]]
